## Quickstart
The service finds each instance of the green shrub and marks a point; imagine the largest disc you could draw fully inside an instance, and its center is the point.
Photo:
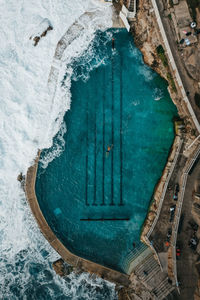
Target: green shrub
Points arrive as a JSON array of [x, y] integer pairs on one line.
[[170, 16], [161, 53], [160, 49], [171, 82]]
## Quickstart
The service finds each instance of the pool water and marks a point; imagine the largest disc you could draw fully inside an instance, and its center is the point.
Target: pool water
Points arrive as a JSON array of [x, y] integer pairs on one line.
[[121, 105]]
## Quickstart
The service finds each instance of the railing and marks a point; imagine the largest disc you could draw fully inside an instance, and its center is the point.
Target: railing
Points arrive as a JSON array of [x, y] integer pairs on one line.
[[131, 256]]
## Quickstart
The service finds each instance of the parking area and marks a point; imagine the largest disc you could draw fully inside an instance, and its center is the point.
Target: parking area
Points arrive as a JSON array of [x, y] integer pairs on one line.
[[188, 239], [187, 245], [161, 234]]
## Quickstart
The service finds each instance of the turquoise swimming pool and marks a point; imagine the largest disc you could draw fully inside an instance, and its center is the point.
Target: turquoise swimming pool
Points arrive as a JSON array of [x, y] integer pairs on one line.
[[96, 194]]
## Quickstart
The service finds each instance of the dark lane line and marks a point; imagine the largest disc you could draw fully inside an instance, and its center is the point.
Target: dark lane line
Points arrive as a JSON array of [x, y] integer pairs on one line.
[[121, 145], [86, 163], [112, 135], [95, 152], [103, 142], [105, 219]]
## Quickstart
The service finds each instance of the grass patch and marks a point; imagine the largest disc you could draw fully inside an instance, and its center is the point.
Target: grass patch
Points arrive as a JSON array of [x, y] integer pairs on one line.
[[197, 99], [161, 53], [171, 81], [193, 4]]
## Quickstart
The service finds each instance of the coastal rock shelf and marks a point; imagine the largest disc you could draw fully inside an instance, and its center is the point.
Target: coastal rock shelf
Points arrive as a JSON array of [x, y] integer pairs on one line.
[[96, 194]]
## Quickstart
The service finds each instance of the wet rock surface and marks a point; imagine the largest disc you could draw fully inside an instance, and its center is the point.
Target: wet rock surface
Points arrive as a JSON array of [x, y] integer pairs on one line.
[[61, 268], [41, 31]]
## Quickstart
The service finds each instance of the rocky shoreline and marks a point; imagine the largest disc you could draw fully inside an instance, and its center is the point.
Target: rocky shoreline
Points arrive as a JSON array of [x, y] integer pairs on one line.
[[147, 38]]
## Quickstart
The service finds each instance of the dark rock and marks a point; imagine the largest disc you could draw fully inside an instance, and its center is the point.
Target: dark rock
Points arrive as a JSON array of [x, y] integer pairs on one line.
[[36, 40], [20, 177], [61, 268]]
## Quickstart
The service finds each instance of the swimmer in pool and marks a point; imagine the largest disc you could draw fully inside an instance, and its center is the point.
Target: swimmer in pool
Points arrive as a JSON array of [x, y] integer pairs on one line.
[[109, 148]]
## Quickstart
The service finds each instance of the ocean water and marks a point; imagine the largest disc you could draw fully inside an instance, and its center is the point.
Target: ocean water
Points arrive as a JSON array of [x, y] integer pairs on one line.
[[28, 123], [119, 102]]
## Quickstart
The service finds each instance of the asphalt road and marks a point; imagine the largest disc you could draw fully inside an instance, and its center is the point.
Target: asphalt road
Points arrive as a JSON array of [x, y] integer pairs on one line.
[[186, 271], [159, 234]]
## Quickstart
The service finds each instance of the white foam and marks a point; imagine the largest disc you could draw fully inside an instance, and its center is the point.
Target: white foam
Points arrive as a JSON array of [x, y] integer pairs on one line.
[[136, 102], [157, 94], [28, 122], [146, 73]]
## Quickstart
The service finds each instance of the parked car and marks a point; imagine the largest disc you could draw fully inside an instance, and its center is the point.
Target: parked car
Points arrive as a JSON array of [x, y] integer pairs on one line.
[[197, 31], [193, 242], [187, 41], [180, 223], [178, 251], [193, 225], [172, 212], [176, 190], [169, 234]]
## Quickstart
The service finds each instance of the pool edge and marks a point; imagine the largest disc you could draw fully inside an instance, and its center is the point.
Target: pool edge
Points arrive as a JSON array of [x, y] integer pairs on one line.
[[79, 263]]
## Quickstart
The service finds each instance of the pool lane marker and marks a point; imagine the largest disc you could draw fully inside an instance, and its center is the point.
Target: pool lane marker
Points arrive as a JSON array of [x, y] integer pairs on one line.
[[95, 152], [112, 137], [86, 158], [105, 219], [103, 143], [121, 144]]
